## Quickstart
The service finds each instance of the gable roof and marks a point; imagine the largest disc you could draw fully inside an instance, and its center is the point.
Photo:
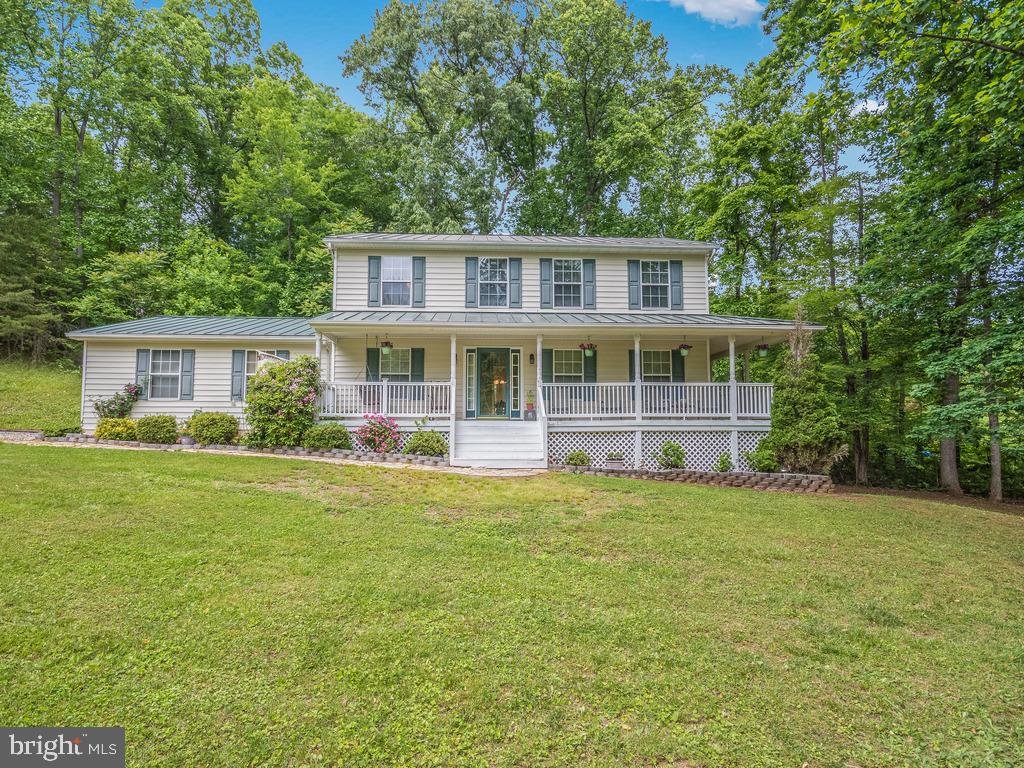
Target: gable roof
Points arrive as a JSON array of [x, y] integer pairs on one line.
[[202, 327], [536, 242]]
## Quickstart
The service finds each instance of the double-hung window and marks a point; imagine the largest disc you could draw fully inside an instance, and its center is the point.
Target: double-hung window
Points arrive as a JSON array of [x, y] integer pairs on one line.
[[567, 366], [252, 363], [164, 374], [657, 365], [654, 281], [396, 281], [493, 279], [568, 282], [396, 365]]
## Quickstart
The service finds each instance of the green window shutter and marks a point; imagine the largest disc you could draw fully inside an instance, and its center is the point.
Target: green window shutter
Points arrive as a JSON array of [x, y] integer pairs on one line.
[[188, 366], [372, 364], [284, 354], [589, 284], [675, 291], [142, 372], [546, 284], [632, 366], [515, 283], [590, 368], [237, 374], [633, 266], [678, 366], [416, 367], [471, 269], [373, 283], [419, 281], [547, 366]]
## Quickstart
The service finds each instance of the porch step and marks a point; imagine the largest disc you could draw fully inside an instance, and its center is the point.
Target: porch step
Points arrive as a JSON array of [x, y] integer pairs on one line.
[[499, 444]]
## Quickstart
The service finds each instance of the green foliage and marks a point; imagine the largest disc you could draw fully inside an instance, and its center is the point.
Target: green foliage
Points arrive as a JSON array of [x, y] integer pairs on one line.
[[805, 434], [157, 429], [426, 443], [281, 402], [212, 428], [762, 459], [672, 456], [120, 404], [578, 458], [115, 429], [327, 437], [378, 434], [724, 463]]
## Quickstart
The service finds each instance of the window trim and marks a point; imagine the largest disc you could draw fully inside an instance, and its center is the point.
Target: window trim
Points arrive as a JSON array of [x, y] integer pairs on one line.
[[574, 380], [643, 374], [555, 282], [380, 297], [480, 282], [151, 375], [667, 284], [406, 377], [245, 367]]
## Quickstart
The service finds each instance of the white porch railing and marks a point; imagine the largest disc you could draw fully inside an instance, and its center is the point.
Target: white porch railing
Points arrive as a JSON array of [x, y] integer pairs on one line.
[[390, 398], [704, 400]]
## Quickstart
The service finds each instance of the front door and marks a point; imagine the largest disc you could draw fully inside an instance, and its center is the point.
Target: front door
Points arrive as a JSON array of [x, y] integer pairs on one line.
[[493, 383]]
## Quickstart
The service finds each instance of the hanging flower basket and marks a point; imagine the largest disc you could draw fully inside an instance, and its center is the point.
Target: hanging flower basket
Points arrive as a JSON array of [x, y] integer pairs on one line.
[[762, 350], [588, 349], [385, 348], [684, 349]]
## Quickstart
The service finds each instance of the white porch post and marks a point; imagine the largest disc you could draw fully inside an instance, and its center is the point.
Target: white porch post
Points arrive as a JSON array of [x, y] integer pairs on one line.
[[317, 346], [540, 365], [452, 362], [734, 435], [638, 405]]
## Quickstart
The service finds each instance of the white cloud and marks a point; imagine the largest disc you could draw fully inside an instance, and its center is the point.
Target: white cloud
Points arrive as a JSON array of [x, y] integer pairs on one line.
[[868, 105], [733, 13]]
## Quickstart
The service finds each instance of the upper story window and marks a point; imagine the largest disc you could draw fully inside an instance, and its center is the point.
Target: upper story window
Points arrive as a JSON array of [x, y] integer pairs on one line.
[[657, 365], [567, 365], [568, 282], [396, 281], [493, 278], [396, 365], [654, 282], [164, 374]]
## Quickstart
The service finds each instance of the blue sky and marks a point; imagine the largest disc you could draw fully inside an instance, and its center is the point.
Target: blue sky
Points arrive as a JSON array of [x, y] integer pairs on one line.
[[723, 32]]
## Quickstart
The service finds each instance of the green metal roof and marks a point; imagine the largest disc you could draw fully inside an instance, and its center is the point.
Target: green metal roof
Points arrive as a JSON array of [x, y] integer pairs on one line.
[[208, 327]]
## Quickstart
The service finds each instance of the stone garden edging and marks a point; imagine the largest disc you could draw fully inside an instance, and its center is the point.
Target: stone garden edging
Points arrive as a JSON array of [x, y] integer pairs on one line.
[[760, 481]]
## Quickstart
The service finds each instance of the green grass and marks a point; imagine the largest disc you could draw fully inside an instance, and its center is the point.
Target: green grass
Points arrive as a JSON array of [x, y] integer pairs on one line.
[[233, 611], [39, 396]]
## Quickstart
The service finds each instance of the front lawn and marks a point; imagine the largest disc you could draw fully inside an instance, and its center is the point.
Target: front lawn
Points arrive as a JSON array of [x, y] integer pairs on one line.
[[43, 397], [234, 611]]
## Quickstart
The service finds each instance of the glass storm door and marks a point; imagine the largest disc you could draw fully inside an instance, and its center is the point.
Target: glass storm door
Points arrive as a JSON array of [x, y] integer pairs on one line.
[[493, 388]]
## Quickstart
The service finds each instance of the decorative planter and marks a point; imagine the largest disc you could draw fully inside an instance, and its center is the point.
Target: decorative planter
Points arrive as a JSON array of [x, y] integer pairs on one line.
[[614, 464], [530, 416], [684, 349], [588, 352], [186, 440]]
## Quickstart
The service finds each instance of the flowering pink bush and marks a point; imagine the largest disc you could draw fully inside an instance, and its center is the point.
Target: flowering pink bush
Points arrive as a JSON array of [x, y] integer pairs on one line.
[[120, 405], [280, 402], [379, 433]]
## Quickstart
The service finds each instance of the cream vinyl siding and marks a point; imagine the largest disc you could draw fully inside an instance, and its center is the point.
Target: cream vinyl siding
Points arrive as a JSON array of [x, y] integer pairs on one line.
[[446, 280], [111, 365]]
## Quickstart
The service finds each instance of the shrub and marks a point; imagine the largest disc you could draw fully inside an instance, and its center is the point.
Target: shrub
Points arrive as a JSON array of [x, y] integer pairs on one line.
[[615, 455], [378, 434], [577, 458], [762, 459], [119, 406], [212, 428], [280, 402], [724, 463], [426, 443], [115, 429], [327, 437], [672, 456], [157, 429]]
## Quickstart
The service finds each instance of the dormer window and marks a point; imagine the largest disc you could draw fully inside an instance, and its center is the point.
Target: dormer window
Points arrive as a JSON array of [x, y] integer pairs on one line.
[[396, 281], [654, 282], [493, 282]]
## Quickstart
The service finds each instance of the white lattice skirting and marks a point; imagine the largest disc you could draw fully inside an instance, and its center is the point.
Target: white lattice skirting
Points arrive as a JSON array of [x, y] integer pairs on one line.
[[404, 433], [703, 446]]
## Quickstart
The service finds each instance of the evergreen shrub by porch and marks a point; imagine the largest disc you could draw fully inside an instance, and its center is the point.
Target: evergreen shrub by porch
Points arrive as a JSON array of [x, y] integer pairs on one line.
[[724, 463], [280, 403], [578, 458], [327, 437], [212, 428], [762, 459], [157, 429], [115, 429], [378, 434], [672, 456], [426, 443]]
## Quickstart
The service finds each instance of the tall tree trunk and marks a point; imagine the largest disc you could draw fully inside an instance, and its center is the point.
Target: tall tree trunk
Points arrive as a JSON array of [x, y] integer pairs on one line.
[[949, 472], [79, 204], [58, 177]]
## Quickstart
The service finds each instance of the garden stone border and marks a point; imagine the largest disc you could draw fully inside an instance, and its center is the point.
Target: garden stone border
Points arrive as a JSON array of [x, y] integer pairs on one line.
[[758, 481]]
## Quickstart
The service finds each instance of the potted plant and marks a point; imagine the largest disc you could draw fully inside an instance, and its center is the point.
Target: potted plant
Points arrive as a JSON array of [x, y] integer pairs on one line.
[[684, 349], [531, 414], [385, 347], [577, 460], [762, 350], [588, 348], [614, 460]]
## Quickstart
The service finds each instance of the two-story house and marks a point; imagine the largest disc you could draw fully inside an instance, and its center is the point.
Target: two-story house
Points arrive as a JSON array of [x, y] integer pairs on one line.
[[518, 348]]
